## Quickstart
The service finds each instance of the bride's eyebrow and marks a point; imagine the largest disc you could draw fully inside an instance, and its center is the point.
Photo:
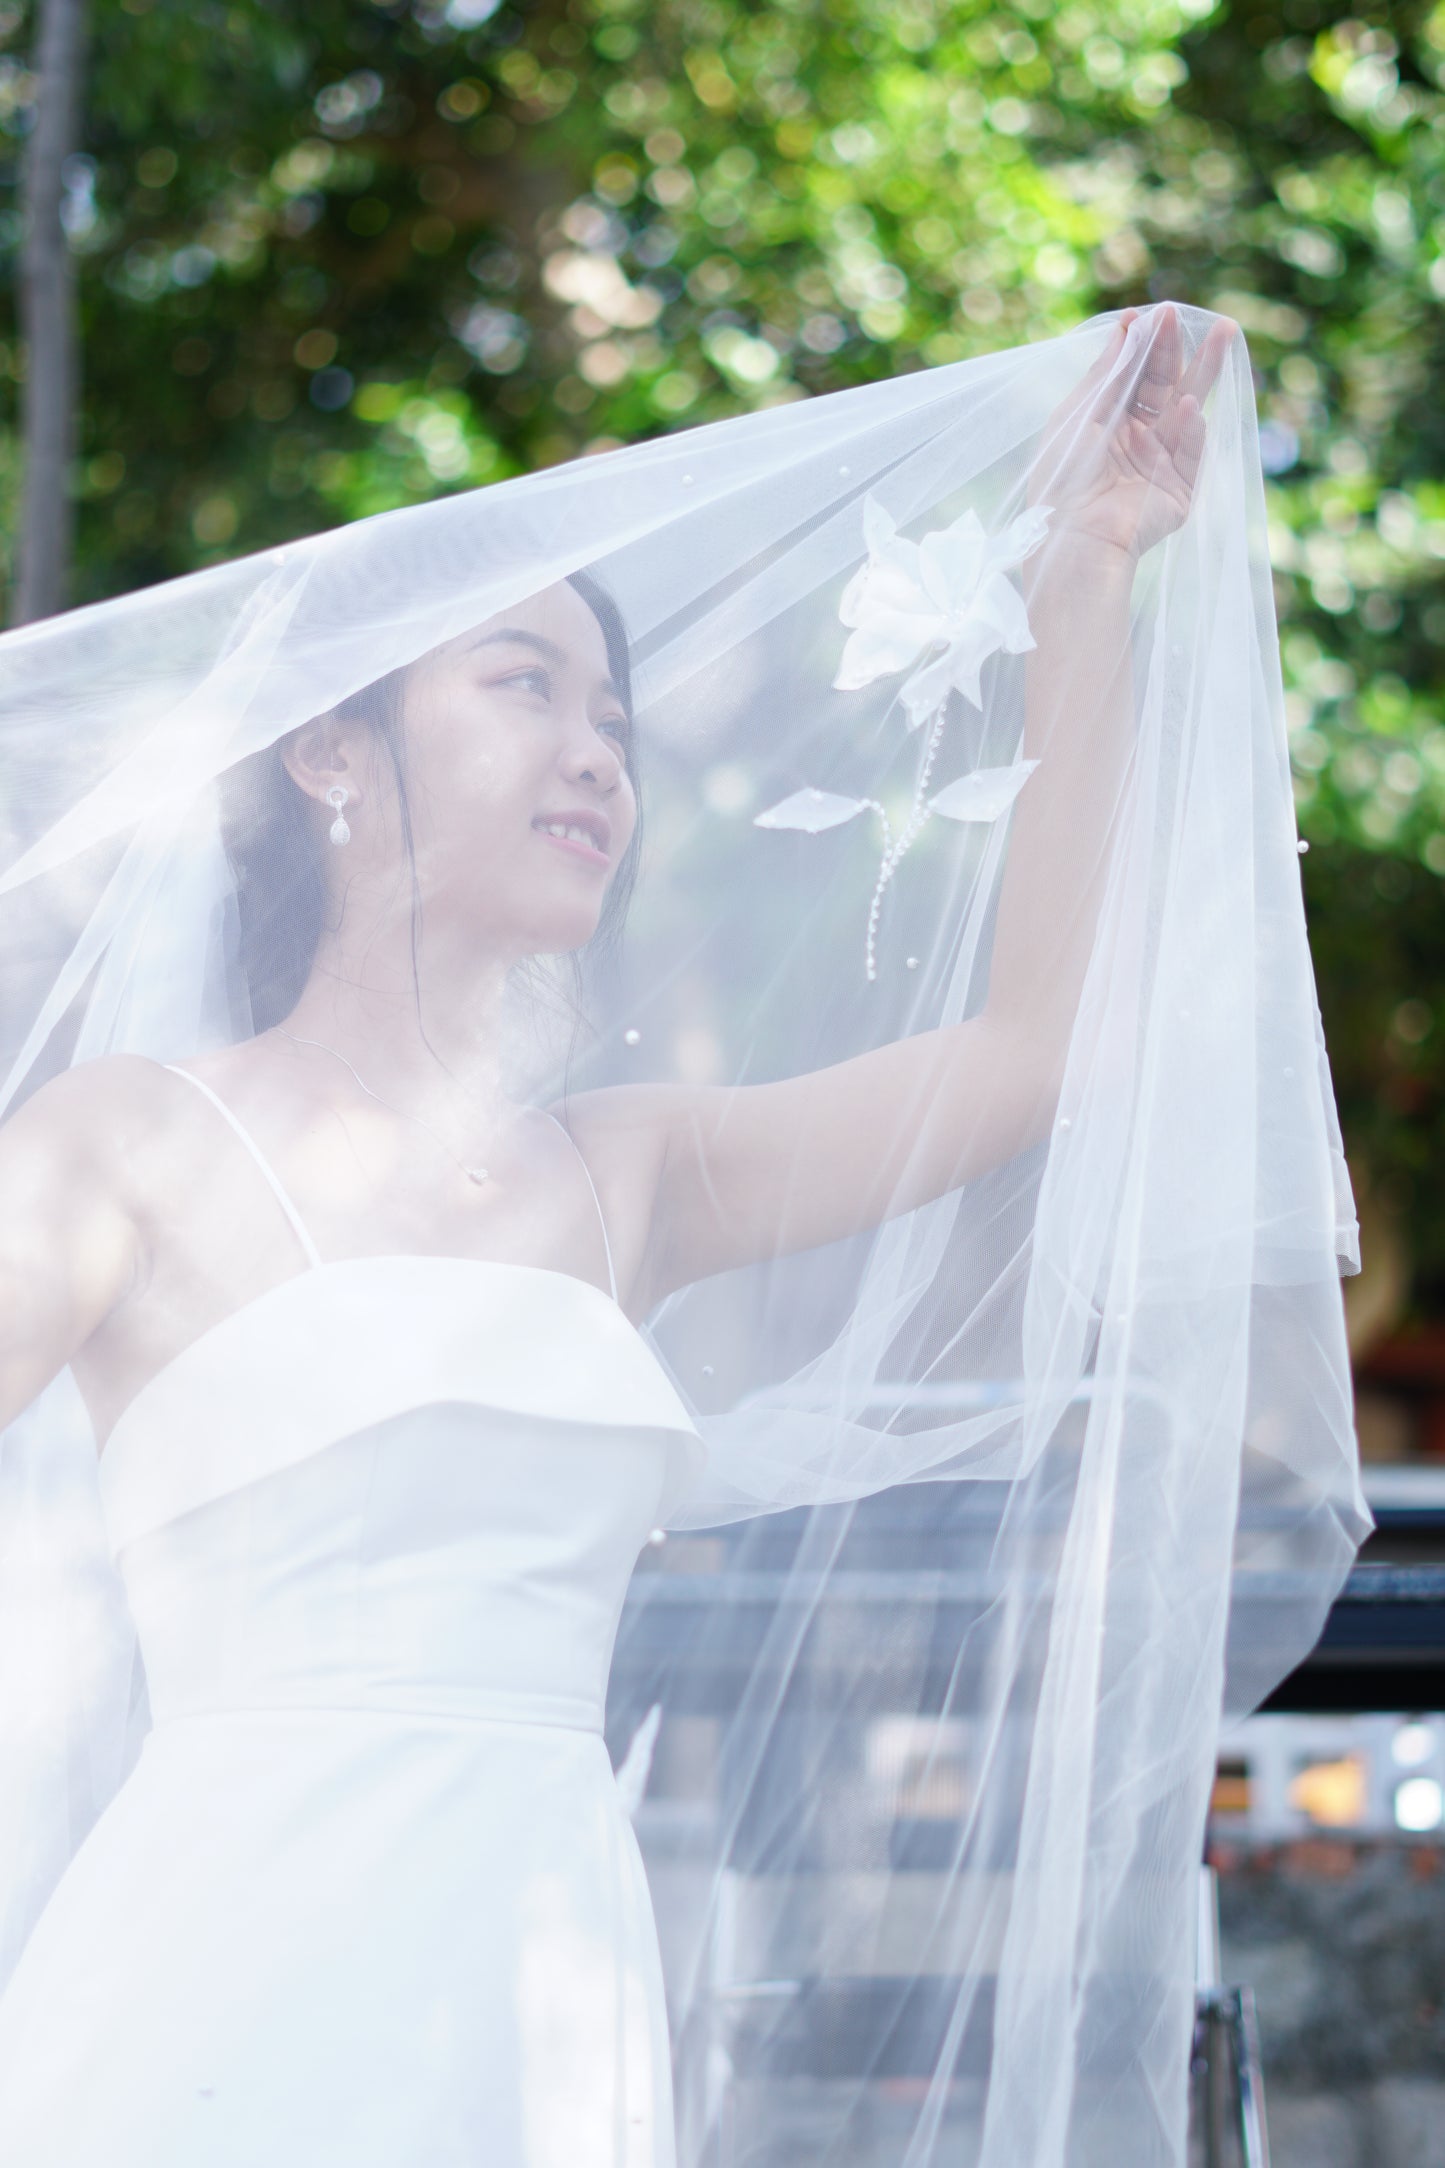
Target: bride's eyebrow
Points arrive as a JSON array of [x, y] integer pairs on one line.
[[513, 636]]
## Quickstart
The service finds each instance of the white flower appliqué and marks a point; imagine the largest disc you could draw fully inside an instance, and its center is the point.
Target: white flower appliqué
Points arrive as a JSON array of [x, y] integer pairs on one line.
[[945, 603], [939, 609]]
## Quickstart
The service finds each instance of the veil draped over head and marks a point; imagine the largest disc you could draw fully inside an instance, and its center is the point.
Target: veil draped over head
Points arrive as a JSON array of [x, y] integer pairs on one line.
[[999, 1499]]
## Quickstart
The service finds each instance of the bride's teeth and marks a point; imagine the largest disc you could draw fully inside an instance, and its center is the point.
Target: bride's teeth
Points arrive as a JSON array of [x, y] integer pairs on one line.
[[575, 835]]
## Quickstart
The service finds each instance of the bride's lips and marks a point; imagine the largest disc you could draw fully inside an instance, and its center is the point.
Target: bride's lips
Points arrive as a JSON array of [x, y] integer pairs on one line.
[[595, 824]]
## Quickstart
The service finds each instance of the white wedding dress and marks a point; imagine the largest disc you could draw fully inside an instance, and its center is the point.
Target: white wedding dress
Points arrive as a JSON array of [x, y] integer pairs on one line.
[[370, 1898]]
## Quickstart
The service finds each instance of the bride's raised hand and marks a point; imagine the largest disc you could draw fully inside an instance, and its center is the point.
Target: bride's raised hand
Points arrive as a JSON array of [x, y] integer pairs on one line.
[[1121, 455]]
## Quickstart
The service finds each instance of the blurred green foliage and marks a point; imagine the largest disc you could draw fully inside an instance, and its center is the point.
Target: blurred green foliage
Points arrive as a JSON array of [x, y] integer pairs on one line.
[[342, 255]]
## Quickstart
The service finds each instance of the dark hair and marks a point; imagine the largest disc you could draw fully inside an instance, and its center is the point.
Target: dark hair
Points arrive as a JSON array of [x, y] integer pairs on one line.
[[276, 846]]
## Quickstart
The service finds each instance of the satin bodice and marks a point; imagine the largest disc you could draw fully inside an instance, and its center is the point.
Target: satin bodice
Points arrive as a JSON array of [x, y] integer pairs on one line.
[[398, 1484]]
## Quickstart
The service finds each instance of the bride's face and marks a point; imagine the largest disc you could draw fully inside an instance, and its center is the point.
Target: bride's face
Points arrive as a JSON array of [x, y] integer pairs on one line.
[[515, 751]]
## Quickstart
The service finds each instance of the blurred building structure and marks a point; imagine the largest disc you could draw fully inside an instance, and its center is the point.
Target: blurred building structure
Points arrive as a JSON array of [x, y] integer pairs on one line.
[[1327, 1831]]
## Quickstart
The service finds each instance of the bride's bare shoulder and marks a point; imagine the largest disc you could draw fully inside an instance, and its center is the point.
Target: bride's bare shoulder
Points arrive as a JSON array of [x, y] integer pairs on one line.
[[79, 1160], [105, 1111]]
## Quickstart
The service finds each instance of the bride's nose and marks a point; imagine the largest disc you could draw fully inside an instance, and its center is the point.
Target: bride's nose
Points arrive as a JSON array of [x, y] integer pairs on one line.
[[590, 757]]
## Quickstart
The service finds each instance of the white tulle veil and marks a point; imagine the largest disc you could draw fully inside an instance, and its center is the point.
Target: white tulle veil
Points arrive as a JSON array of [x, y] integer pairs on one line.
[[1004, 1498]]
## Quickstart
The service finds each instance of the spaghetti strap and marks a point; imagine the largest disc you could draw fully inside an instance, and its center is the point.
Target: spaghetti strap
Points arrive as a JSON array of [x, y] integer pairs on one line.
[[607, 1246], [273, 1180]]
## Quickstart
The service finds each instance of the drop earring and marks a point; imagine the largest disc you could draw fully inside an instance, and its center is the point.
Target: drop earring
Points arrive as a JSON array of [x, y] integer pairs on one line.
[[337, 796]]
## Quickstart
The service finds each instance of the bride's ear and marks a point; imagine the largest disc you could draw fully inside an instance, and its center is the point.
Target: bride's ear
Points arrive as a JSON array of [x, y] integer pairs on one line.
[[320, 755]]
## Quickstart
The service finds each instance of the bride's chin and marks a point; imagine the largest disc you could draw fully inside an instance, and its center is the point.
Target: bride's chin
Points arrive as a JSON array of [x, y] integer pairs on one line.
[[549, 925], [562, 935]]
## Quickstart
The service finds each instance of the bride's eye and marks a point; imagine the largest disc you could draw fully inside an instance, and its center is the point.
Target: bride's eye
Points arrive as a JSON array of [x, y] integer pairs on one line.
[[618, 724], [534, 679]]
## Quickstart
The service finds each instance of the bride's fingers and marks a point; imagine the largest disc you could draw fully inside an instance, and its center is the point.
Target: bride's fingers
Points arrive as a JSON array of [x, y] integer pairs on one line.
[[1182, 424], [1107, 391], [1108, 359], [1142, 389], [1182, 432], [1179, 427], [1163, 359], [1092, 389], [1202, 374]]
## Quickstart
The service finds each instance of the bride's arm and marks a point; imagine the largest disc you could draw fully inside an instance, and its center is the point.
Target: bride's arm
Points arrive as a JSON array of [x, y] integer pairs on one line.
[[762, 1169], [739, 1174], [69, 1245]]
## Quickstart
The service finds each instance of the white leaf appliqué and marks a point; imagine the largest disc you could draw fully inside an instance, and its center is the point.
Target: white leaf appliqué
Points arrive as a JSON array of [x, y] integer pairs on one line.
[[810, 810], [984, 795]]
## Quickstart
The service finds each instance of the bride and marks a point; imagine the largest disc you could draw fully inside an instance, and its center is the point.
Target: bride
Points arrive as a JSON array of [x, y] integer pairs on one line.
[[358, 1331]]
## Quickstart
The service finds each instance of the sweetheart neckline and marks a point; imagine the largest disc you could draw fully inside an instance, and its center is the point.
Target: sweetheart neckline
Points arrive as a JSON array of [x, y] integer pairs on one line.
[[341, 1264]]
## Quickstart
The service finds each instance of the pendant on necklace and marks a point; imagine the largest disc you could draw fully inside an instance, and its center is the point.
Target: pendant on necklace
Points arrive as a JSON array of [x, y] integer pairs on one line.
[[477, 1175]]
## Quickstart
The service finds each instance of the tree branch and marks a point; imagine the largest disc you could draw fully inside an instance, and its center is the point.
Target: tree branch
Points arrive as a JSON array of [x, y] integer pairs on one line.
[[48, 318]]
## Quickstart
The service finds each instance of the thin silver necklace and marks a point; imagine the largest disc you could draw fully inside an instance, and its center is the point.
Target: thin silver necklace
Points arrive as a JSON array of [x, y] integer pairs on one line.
[[473, 1174]]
